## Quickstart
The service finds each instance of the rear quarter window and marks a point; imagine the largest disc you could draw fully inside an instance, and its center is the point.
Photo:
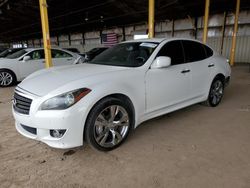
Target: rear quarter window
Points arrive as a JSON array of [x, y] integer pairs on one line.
[[209, 51]]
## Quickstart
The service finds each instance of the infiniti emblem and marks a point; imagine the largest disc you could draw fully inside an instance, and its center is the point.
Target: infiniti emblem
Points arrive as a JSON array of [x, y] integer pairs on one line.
[[14, 101]]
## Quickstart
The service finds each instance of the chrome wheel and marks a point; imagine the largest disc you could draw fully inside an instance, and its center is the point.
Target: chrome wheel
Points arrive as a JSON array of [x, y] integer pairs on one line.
[[6, 78], [216, 92], [111, 126]]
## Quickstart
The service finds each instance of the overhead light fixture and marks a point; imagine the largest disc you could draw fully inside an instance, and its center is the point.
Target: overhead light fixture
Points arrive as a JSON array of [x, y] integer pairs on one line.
[[101, 17], [86, 17]]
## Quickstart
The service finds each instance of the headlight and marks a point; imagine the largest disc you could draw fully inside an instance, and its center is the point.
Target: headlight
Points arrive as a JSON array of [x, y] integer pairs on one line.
[[65, 100]]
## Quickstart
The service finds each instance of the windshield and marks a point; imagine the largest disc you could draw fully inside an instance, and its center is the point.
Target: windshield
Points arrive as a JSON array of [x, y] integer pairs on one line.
[[16, 54], [4, 53], [8, 52], [132, 54]]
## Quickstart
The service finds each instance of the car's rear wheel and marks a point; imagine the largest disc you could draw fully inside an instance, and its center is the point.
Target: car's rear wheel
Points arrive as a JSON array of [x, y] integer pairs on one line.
[[108, 124], [216, 93], [7, 78]]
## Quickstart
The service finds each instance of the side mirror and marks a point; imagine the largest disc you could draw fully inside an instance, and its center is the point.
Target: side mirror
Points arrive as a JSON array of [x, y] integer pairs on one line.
[[26, 58], [161, 62]]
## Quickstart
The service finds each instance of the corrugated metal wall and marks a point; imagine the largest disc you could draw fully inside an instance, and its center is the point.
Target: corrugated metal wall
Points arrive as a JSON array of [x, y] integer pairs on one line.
[[242, 53], [182, 28]]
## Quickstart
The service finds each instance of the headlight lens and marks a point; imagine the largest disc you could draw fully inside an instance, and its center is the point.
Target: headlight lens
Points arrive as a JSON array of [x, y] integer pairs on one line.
[[65, 100]]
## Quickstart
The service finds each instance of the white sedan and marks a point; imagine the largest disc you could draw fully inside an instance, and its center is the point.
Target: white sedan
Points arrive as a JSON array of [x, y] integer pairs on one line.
[[17, 66], [101, 101]]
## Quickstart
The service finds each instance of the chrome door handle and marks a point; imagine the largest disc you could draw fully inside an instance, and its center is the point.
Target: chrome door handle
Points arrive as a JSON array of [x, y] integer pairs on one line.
[[185, 71]]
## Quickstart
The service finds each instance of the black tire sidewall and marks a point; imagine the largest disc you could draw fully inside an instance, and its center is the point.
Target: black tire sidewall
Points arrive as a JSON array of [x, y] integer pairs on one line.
[[96, 110]]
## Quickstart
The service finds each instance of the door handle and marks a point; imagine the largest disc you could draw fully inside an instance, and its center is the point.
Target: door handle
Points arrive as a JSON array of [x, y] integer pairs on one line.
[[185, 71], [211, 65]]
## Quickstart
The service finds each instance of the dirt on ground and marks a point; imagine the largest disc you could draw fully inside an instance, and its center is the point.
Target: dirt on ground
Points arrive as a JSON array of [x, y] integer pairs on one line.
[[196, 147]]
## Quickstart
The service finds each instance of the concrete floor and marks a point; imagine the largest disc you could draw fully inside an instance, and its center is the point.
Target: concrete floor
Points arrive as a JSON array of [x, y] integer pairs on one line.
[[194, 147]]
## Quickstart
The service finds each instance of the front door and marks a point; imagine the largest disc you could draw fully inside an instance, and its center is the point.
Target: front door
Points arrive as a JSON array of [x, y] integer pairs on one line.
[[35, 63]]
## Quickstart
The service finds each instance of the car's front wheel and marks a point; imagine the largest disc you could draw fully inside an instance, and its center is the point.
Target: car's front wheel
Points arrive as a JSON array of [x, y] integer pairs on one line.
[[7, 78], [216, 93], [108, 124]]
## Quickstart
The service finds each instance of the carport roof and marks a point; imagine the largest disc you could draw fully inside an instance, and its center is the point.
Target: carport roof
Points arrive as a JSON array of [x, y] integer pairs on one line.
[[20, 20]]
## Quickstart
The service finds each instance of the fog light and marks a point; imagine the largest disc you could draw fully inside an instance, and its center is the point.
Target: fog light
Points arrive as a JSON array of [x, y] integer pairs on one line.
[[57, 133]]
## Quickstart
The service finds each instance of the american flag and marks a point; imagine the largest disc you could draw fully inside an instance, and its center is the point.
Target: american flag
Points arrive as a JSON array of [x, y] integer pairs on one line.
[[109, 39]]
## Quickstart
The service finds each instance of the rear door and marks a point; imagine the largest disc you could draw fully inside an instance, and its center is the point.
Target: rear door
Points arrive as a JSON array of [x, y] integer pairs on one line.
[[168, 87], [35, 63], [60, 57], [195, 55]]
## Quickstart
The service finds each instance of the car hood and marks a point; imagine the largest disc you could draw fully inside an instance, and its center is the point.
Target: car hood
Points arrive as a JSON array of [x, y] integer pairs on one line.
[[5, 60], [42, 82]]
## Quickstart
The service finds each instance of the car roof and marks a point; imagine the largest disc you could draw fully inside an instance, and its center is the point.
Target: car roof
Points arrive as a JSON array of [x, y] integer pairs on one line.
[[159, 40], [156, 40], [40, 48]]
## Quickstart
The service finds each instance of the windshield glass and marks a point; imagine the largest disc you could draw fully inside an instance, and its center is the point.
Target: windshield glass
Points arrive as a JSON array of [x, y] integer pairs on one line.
[[16, 54], [8, 52], [4, 53], [132, 54]]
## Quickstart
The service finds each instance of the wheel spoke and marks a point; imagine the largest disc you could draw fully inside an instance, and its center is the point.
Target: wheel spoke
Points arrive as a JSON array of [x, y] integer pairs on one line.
[[101, 121], [123, 121], [113, 112], [116, 137], [104, 138]]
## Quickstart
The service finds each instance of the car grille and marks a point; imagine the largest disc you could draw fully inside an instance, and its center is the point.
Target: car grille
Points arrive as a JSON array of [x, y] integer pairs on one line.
[[21, 104]]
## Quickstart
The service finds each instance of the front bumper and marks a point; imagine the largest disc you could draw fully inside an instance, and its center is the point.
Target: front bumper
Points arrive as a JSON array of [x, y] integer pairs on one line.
[[38, 124], [42, 124]]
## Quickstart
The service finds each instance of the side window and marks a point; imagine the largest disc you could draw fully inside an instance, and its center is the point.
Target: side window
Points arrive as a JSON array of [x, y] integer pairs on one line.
[[36, 54], [194, 51], [174, 50], [59, 54], [208, 50]]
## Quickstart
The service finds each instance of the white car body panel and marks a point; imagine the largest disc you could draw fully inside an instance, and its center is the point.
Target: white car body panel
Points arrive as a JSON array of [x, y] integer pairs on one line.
[[153, 92]]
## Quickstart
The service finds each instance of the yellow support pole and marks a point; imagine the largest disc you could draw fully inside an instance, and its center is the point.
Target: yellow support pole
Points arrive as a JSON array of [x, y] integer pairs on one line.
[[45, 29], [151, 18], [206, 21], [236, 18]]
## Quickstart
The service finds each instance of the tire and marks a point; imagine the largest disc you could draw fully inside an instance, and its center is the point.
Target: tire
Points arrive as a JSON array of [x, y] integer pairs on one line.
[[7, 78], [216, 93], [108, 124]]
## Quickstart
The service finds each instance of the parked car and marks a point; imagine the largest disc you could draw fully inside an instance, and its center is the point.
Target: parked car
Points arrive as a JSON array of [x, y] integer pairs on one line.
[[75, 50], [9, 51], [103, 100], [15, 67], [93, 53], [2, 49]]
